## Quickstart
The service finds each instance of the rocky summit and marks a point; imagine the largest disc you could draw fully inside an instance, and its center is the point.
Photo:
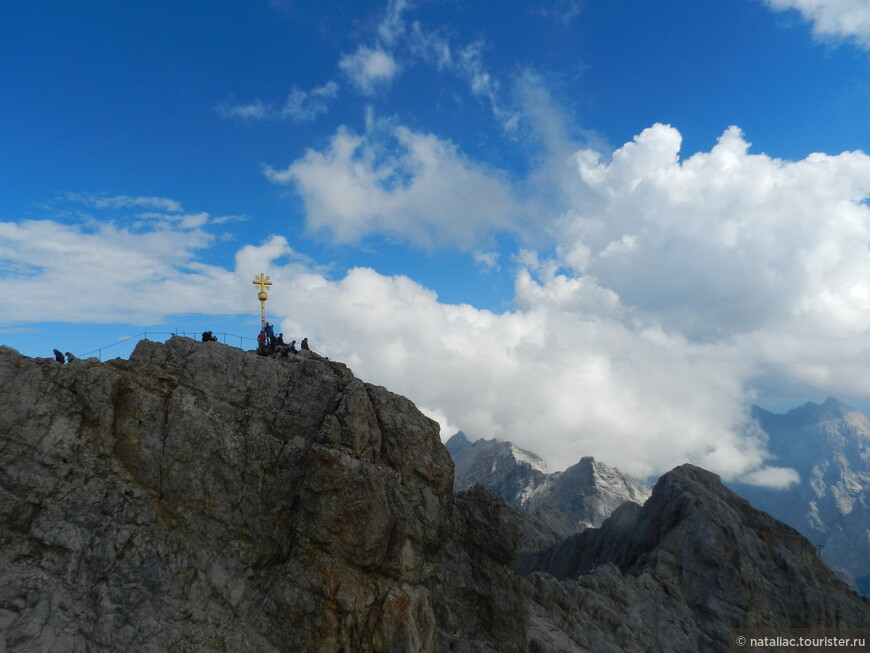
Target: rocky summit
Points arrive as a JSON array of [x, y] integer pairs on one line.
[[201, 498]]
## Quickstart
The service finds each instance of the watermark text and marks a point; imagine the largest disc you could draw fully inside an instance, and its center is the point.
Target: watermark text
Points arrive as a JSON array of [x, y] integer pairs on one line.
[[799, 640]]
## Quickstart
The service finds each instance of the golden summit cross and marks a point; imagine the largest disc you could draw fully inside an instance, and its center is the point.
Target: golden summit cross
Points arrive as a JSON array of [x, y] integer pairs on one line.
[[262, 281]]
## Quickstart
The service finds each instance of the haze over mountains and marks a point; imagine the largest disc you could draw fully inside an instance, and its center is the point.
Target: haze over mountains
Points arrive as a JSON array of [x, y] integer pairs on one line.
[[828, 445]]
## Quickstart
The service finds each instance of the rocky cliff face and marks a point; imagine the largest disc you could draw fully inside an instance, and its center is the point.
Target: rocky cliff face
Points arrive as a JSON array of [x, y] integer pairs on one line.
[[201, 498], [197, 497]]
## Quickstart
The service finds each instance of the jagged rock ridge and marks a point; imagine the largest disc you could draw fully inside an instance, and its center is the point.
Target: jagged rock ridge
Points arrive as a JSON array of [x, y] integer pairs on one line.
[[699, 543], [201, 498]]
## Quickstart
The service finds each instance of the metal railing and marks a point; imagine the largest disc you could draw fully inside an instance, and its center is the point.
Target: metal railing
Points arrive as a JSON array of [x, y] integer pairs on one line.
[[161, 336]]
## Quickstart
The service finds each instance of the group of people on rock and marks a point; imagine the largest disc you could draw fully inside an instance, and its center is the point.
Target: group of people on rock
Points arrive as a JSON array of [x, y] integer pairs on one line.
[[58, 356], [268, 342]]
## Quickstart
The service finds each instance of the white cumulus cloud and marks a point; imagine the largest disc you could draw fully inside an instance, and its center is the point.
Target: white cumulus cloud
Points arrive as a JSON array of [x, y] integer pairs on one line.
[[678, 289], [554, 379], [772, 477], [392, 180], [725, 242]]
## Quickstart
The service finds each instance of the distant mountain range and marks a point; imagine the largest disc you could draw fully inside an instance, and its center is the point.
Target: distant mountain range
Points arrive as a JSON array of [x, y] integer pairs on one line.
[[559, 504], [828, 445]]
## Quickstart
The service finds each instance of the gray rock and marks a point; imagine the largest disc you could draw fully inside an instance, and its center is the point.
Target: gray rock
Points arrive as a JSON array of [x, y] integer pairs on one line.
[[201, 498], [197, 497], [712, 560]]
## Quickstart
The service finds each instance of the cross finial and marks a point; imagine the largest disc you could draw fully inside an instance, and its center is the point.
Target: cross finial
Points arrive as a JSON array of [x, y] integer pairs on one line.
[[262, 281]]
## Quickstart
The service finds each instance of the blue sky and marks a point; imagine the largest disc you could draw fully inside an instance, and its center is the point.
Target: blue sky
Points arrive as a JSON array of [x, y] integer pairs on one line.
[[593, 228]]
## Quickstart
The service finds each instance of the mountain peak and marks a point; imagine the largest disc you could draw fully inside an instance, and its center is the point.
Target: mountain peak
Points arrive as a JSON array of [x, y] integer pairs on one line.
[[457, 442], [830, 407]]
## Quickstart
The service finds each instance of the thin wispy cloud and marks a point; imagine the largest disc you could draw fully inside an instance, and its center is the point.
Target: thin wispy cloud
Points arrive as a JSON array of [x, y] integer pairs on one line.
[[833, 19], [369, 68], [79, 274], [469, 64], [466, 62], [392, 26], [124, 201], [300, 106]]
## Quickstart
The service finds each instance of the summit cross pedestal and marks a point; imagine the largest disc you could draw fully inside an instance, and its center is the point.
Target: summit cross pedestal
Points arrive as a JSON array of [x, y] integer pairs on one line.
[[263, 282]]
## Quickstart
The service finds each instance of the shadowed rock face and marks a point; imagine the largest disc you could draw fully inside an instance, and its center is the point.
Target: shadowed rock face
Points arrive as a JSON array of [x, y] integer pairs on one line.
[[726, 563], [201, 498]]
